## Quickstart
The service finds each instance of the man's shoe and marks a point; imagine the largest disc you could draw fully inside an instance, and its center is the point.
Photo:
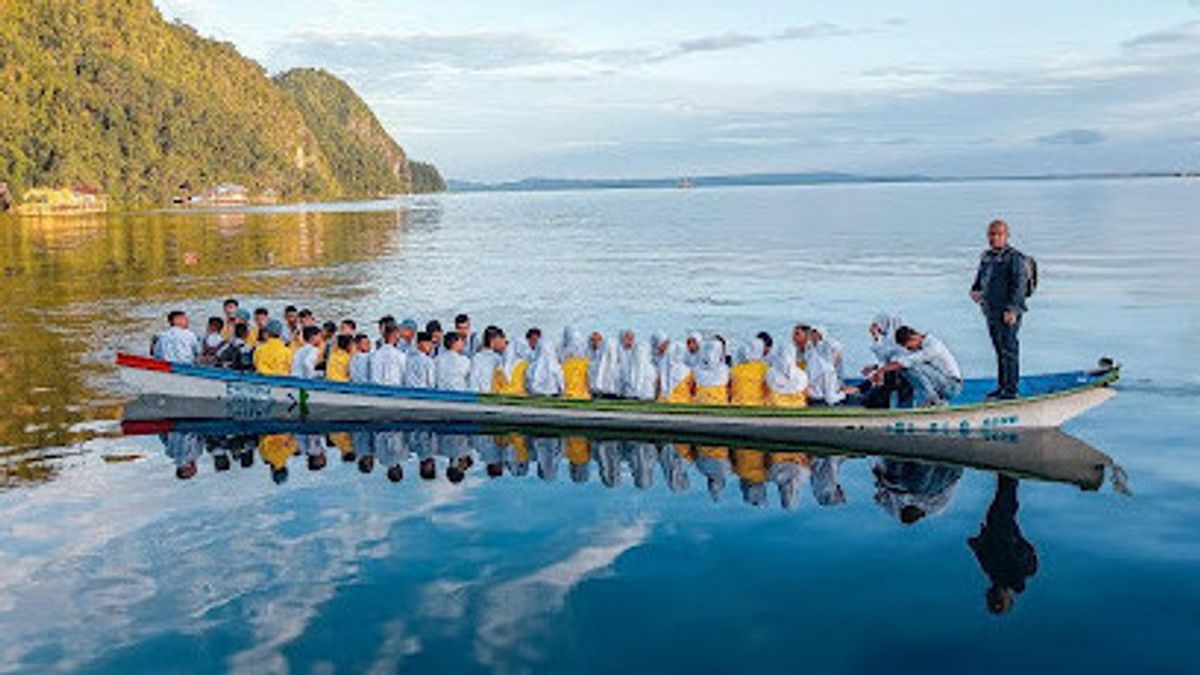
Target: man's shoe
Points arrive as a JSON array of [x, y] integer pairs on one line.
[[1006, 396], [995, 393]]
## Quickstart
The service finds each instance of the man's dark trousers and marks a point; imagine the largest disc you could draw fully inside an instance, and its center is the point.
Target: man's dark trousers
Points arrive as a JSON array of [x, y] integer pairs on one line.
[[1008, 352]]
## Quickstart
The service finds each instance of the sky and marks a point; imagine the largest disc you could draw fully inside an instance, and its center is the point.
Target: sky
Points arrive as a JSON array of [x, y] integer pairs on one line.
[[504, 89]]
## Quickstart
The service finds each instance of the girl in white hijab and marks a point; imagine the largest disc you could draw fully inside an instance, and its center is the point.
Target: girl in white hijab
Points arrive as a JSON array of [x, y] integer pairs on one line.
[[603, 376], [694, 343], [786, 382], [640, 378], [675, 379], [575, 365], [712, 376], [659, 344], [510, 376], [883, 337], [545, 374]]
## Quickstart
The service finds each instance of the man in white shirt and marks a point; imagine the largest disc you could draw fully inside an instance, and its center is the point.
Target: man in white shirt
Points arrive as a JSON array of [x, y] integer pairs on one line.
[[419, 372], [304, 361], [387, 362], [451, 367], [360, 362], [176, 344], [928, 365]]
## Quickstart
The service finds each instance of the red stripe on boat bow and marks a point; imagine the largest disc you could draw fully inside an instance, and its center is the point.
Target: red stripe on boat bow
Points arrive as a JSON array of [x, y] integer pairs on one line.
[[143, 362]]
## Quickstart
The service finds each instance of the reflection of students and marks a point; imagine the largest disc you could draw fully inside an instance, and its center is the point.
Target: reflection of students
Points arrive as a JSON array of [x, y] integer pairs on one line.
[[276, 450], [713, 462], [826, 483], [910, 491], [1004, 554], [789, 471], [185, 449]]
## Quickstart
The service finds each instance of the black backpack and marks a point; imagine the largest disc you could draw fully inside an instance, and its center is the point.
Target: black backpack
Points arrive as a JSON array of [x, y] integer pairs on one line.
[[1031, 274]]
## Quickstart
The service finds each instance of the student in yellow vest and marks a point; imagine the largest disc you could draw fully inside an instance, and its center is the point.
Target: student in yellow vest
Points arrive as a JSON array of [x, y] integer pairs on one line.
[[747, 378], [712, 376], [578, 450], [510, 376], [272, 357], [786, 382], [676, 383], [337, 369], [575, 365]]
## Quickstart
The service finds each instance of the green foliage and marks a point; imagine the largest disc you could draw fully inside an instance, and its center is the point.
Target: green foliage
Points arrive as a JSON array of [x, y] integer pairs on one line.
[[106, 93], [425, 177]]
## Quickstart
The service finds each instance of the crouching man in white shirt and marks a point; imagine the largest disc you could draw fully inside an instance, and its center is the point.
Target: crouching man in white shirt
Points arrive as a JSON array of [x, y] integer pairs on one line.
[[927, 365]]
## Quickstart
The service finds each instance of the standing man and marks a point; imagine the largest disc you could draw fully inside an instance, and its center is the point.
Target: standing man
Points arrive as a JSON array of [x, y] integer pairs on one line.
[[1000, 288]]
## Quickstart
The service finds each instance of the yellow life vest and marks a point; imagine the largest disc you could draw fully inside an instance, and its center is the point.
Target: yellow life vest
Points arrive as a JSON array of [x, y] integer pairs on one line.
[[799, 400], [338, 368], [747, 382], [750, 465], [520, 446], [252, 339], [227, 331], [575, 379], [276, 449], [273, 358], [682, 393], [578, 450], [712, 395], [513, 387]]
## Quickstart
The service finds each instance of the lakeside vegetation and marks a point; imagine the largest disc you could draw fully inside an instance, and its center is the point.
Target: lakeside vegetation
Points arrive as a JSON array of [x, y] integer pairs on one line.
[[110, 95]]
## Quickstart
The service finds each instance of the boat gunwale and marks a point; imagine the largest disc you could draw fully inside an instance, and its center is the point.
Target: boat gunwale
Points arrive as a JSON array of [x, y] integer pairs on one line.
[[1099, 378]]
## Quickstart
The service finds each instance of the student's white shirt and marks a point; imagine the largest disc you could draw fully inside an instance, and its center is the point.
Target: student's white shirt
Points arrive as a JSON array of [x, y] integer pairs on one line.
[[419, 372], [387, 366], [360, 368], [935, 353], [451, 370], [483, 371], [177, 345], [304, 362], [824, 384]]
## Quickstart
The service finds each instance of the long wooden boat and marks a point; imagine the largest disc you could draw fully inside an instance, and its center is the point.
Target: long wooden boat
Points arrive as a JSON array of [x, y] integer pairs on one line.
[[198, 392]]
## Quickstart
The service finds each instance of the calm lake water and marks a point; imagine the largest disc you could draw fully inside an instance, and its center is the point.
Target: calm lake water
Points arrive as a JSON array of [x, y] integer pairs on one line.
[[599, 554]]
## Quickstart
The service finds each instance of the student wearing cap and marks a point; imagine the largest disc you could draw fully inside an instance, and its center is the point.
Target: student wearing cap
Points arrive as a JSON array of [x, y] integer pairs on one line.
[[272, 356], [408, 332]]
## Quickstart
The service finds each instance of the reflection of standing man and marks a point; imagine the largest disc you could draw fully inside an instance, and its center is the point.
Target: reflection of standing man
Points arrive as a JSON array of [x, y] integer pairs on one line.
[[1004, 554], [1000, 288]]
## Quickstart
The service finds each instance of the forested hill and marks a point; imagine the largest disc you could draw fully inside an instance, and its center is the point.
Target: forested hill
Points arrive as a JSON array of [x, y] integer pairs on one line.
[[106, 93]]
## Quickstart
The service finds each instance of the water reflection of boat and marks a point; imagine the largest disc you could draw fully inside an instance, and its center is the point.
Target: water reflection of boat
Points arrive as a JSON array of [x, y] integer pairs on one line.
[[185, 390], [1048, 455]]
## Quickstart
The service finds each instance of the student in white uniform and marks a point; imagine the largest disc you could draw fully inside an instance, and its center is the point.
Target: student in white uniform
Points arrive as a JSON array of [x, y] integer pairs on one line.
[[388, 362], [360, 362], [485, 361], [545, 374], [883, 337], [824, 384], [451, 367], [304, 361], [603, 375], [928, 366], [694, 355], [176, 344], [639, 378], [419, 370]]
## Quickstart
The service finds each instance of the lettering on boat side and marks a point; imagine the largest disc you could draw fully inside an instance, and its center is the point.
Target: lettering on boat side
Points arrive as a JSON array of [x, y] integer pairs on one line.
[[961, 427], [246, 401]]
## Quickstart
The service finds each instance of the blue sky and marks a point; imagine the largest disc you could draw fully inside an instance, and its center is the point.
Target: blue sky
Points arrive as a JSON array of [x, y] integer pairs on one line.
[[500, 89]]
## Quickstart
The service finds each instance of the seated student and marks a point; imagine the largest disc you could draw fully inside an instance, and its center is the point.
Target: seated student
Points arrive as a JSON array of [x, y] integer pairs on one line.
[[676, 383], [533, 336], [747, 378], [829, 348], [824, 383], [337, 366], [388, 362], [768, 342], [213, 342], [693, 355], [360, 360], [786, 382], [877, 392], [626, 340], [639, 381], [509, 378], [176, 344], [712, 376], [272, 356], [304, 359], [575, 366], [237, 354], [436, 335], [486, 361], [659, 344], [230, 307], [603, 376], [544, 377], [258, 331], [419, 371], [451, 367], [927, 365]]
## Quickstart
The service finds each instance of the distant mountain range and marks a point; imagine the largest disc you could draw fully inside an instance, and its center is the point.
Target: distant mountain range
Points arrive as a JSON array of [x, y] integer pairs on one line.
[[756, 179]]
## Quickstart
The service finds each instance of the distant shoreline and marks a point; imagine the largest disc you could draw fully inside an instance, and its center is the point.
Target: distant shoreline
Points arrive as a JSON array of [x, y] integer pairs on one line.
[[774, 179]]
